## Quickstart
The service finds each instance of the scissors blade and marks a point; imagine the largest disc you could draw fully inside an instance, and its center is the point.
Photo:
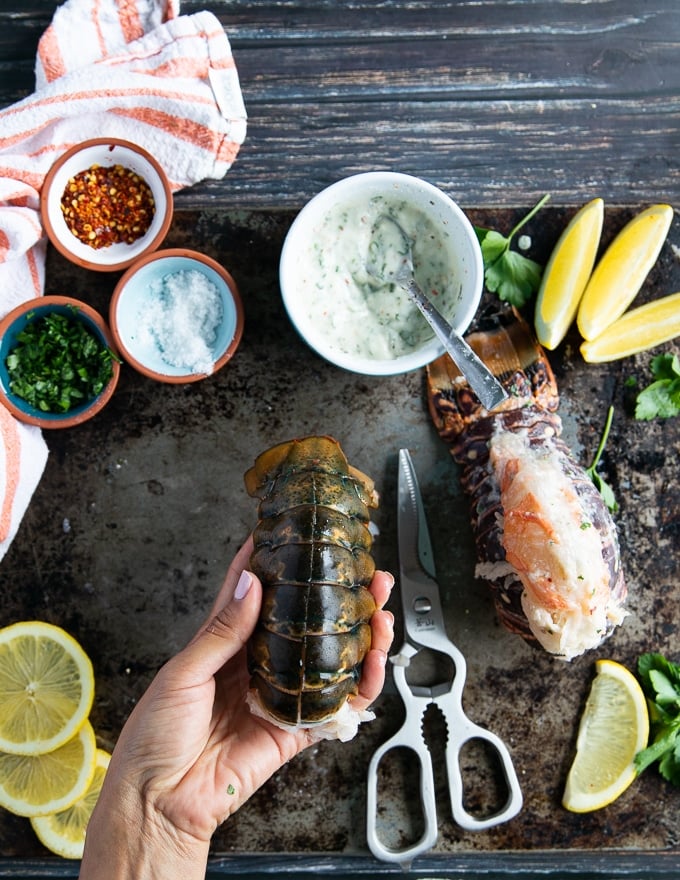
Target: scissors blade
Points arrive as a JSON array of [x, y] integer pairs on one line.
[[423, 615], [415, 546]]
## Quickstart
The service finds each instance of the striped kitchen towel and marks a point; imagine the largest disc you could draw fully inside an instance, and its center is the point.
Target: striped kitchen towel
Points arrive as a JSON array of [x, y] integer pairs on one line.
[[132, 69]]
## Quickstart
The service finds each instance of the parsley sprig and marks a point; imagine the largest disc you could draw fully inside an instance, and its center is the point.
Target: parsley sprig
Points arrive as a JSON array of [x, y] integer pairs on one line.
[[514, 277], [604, 488], [58, 363], [661, 399], [660, 680]]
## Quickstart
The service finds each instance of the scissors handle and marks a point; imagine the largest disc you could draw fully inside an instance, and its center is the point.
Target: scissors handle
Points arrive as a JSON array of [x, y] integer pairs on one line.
[[465, 731], [408, 736], [427, 802]]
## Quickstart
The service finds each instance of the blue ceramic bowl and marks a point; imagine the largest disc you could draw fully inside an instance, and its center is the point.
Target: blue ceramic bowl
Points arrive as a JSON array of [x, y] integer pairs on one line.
[[151, 349], [10, 327]]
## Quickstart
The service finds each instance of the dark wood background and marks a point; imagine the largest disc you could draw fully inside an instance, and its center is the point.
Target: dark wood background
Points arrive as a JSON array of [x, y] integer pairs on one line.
[[495, 101]]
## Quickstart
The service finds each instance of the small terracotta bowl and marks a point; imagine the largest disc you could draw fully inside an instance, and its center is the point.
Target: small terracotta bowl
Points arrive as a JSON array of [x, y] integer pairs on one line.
[[104, 152], [158, 321], [12, 325]]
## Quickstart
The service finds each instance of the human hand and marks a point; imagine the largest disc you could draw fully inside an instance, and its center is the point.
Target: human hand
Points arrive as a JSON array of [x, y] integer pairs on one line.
[[191, 752]]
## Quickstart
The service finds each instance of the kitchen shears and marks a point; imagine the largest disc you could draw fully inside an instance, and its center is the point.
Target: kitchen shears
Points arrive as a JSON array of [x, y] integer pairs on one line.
[[424, 628]]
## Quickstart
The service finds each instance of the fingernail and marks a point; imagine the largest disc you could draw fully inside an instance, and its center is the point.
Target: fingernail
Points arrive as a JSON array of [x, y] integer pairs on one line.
[[391, 618], [243, 585]]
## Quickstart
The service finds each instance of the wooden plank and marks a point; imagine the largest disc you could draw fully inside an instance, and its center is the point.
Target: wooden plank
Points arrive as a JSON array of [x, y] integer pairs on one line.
[[434, 59], [297, 50], [493, 154], [496, 102]]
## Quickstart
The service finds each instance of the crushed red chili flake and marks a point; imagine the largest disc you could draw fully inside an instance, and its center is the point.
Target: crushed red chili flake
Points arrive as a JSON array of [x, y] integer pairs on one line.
[[106, 205]]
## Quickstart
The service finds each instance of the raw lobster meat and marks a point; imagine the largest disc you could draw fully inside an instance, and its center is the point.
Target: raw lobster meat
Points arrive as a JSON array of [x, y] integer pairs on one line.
[[545, 540], [312, 554]]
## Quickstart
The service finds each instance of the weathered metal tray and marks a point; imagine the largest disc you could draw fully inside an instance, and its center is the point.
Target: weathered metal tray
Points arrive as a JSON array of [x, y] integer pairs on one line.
[[140, 510]]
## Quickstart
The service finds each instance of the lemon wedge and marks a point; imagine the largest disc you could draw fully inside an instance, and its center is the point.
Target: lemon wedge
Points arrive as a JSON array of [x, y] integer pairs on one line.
[[619, 274], [63, 833], [35, 785], [566, 274], [637, 330], [614, 726], [46, 687]]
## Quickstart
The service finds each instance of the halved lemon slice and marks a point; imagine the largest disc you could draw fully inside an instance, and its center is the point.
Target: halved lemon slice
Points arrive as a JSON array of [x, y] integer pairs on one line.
[[567, 273], [637, 330], [46, 687], [614, 726], [36, 785], [64, 832], [619, 274]]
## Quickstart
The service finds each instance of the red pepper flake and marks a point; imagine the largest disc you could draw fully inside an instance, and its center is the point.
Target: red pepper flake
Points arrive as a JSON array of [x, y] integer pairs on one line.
[[106, 205]]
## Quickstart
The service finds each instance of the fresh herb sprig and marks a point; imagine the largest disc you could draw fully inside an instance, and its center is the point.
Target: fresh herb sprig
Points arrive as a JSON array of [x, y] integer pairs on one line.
[[660, 680], [661, 398], [604, 488], [58, 363], [514, 277]]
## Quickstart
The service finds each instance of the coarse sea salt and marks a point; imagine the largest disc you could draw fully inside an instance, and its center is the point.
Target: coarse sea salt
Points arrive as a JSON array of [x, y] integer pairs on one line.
[[181, 318]]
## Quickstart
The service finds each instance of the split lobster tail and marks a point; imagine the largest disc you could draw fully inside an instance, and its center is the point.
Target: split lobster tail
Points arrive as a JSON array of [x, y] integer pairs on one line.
[[312, 554], [545, 540]]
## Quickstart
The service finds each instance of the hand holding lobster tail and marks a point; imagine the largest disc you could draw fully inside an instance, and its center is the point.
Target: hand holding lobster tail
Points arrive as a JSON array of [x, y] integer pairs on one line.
[[312, 554]]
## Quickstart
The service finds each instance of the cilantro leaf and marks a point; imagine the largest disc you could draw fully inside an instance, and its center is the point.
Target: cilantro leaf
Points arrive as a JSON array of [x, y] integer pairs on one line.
[[604, 488], [660, 399], [666, 694], [58, 363], [666, 366], [660, 679], [493, 244], [514, 277]]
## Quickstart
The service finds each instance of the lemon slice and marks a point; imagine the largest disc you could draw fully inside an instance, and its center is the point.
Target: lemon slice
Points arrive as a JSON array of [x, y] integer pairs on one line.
[[46, 687], [63, 833], [622, 269], [567, 273], [637, 330], [613, 728], [35, 785]]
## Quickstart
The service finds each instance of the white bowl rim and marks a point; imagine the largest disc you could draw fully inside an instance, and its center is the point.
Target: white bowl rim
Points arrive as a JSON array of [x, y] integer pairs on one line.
[[433, 348]]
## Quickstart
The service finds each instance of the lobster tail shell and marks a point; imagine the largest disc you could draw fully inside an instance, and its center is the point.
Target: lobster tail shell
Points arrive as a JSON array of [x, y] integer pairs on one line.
[[505, 344], [312, 554]]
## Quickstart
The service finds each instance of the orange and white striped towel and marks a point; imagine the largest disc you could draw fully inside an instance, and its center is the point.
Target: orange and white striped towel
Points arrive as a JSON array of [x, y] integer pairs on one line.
[[23, 455], [133, 69]]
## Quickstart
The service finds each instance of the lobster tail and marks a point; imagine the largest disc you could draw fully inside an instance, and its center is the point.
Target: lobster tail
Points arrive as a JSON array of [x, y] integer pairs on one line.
[[312, 554], [545, 540]]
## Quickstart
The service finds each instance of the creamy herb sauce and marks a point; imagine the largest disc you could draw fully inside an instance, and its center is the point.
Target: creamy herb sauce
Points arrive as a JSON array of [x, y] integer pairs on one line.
[[360, 313]]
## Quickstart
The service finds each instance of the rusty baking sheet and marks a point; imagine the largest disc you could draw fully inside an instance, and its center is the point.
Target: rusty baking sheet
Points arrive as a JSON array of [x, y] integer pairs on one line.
[[140, 511]]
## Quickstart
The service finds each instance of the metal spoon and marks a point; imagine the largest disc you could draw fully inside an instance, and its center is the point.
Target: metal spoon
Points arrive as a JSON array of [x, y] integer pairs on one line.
[[397, 268]]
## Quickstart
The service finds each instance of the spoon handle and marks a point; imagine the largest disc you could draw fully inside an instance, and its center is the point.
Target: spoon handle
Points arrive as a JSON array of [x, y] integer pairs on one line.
[[482, 381]]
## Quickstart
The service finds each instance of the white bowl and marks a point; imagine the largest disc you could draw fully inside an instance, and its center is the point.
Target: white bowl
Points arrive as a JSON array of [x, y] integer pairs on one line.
[[135, 340], [105, 152], [326, 311]]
